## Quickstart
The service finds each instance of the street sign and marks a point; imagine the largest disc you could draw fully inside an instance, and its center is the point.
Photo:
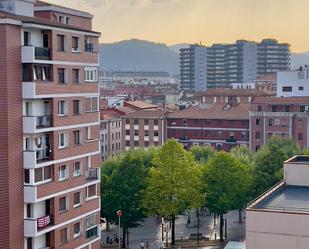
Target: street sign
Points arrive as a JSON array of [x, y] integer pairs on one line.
[[119, 213]]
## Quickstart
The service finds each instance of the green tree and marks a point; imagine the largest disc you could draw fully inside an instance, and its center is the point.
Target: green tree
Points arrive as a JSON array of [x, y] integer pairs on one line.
[[123, 181], [268, 162], [202, 153], [306, 152], [174, 183], [243, 154], [226, 182]]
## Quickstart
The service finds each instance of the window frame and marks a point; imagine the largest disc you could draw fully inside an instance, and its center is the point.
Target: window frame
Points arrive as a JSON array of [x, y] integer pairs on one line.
[[60, 176]]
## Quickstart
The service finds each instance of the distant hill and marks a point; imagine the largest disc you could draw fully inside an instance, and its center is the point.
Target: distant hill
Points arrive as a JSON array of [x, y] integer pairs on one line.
[[138, 55], [141, 55]]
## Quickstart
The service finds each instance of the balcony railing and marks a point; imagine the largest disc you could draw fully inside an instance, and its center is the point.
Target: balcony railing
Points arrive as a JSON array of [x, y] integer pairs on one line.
[[43, 121], [43, 155], [93, 174], [32, 227], [89, 47], [42, 53]]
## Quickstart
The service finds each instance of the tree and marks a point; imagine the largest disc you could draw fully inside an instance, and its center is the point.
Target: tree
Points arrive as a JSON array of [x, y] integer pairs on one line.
[[243, 154], [225, 182], [268, 162], [202, 154], [174, 183], [123, 181]]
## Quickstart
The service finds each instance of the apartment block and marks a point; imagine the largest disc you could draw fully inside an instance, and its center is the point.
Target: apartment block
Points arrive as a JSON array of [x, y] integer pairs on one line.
[[222, 126], [284, 117], [110, 134], [49, 127], [222, 65], [279, 218], [143, 128]]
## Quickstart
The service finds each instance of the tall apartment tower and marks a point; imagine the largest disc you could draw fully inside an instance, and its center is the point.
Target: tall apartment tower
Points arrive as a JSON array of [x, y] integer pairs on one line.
[[49, 127], [273, 56], [225, 64], [193, 68]]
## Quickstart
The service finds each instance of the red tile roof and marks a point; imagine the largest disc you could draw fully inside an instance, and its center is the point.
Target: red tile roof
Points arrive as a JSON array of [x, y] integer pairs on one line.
[[108, 115], [138, 104], [152, 113]]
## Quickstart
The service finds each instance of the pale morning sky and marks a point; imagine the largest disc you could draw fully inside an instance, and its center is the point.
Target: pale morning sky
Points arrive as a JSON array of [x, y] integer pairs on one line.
[[208, 21]]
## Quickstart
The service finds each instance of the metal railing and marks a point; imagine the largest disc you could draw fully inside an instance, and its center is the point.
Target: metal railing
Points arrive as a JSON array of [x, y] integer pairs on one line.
[[43, 155], [42, 53], [93, 174], [43, 121]]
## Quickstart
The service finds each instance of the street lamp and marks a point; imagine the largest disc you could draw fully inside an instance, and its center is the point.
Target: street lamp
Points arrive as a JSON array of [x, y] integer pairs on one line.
[[119, 214]]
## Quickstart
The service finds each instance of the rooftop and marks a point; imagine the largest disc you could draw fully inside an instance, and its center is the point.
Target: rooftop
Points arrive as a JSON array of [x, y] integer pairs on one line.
[[281, 100], [286, 198], [138, 104], [153, 113], [232, 92]]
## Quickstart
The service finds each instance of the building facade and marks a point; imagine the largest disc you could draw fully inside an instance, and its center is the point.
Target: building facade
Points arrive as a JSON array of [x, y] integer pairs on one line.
[[284, 117], [49, 128], [225, 64], [293, 83], [193, 68], [110, 134], [279, 217], [220, 126]]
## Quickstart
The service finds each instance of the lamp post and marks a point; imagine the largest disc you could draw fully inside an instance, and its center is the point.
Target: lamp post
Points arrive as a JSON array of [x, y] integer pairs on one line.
[[119, 214]]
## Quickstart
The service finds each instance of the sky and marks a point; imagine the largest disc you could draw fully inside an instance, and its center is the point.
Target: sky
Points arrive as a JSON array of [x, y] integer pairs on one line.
[[205, 21]]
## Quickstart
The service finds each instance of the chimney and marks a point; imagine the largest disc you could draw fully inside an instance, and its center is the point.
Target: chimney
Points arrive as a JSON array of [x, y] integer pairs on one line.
[[18, 7]]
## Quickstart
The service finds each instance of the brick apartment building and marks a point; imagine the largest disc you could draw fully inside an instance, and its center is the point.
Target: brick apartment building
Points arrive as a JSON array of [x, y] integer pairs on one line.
[[284, 117], [221, 126], [110, 134], [49, 127]]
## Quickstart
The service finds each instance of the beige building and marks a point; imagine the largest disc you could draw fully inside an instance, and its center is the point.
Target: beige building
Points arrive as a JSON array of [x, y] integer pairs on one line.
[[279, 218]]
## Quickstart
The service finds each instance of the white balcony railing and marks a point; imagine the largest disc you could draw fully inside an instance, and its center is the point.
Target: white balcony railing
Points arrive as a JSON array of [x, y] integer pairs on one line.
[[29, 124], [27, 54], [30, 194], [30, 228], [30, 159], [28, 90]]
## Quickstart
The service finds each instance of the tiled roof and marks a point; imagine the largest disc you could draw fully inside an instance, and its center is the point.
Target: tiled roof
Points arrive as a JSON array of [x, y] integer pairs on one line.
[[140, 104], [108, 115], [286, 100], [126, 109], [154, 113], [216, 111]]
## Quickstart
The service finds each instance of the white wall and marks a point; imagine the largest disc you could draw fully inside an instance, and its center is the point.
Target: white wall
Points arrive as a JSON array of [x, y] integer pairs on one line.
[[275, 230], [296, 174], [18, 7], [294, 79], [36, 37]]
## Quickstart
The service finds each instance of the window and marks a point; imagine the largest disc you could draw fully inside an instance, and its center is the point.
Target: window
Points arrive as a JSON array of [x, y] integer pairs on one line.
[[274, 108], [146, 133], [75, 75], [156, 133], [61, 43], [61, 75], [128, 143], [77, 107], [62, 172], [27, 176], [146, 144], [77, 137], [300, 136], [90, 233], [243, 135], [302, 108], [128, 132], [91, 104], [39, 72], [91, 191], [257, 135], [75, 44], [77, 169], [136, 143], [63, 235], [136, 121], [270, 122], [76, 199], [77, 229], [63, 204], [62, 107], [127, 121], [62, 140], [42, 174], [286, 89], [258, 121], [259, 108], [287, 108], [88, 133], [91, 74], [146, 122], [300, 88], [135, 132], [156, 122]]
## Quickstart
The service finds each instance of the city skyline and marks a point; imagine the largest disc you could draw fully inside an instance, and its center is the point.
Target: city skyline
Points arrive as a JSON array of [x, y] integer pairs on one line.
[[183, 21]]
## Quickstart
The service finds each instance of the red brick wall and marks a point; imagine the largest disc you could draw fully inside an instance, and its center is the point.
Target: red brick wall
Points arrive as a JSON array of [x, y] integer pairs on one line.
[[11, 169]]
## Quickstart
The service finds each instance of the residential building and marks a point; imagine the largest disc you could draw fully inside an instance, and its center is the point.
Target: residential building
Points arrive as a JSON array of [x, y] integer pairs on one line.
[[293, 83], [220, 125], [49, 127], [221, 65], [267, 83], [193, 68], [110, 134], [272, 57], [284, 117], [143, 128], [279, 218]]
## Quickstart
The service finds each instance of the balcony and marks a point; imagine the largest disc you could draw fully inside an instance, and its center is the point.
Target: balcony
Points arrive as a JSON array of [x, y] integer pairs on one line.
[[30, 54], [93, 174], [34, 123], [89, 47], [36, 227]]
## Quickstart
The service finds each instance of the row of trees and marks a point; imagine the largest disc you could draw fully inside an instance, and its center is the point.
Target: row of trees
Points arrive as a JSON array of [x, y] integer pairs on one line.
[[170, 180]]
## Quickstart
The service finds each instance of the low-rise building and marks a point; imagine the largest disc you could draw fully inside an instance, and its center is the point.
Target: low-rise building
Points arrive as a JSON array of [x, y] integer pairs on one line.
[[220, 125], [110, 134], [284, 117], [280, 217]]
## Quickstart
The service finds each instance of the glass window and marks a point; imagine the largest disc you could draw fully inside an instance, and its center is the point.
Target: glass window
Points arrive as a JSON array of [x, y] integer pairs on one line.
[[77, 199], [91, 74], [77, 229], [62, 172], [63, 205], [62, 140], [77, 169], [156, 122], [76, 107], [77, 137], [75, 44], [75, 75], [62, 108], [146, 121], [91, 191], [63, 236], [90, 233], [61, 43], [61, 75]]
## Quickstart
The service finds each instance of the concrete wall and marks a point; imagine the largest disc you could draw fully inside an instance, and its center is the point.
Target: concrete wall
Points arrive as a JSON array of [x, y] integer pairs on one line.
[[294, 79], [296, 174]]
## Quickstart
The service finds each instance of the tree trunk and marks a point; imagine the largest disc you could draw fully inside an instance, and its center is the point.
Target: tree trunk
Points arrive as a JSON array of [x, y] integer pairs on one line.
[[173, 230], [107, 225], [128, 237], [239, 216], [124, 230], [221, 227], [215, 220]]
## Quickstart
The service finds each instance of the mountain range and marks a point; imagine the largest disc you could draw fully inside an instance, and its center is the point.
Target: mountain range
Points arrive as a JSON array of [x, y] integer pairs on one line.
[[141, 55]]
